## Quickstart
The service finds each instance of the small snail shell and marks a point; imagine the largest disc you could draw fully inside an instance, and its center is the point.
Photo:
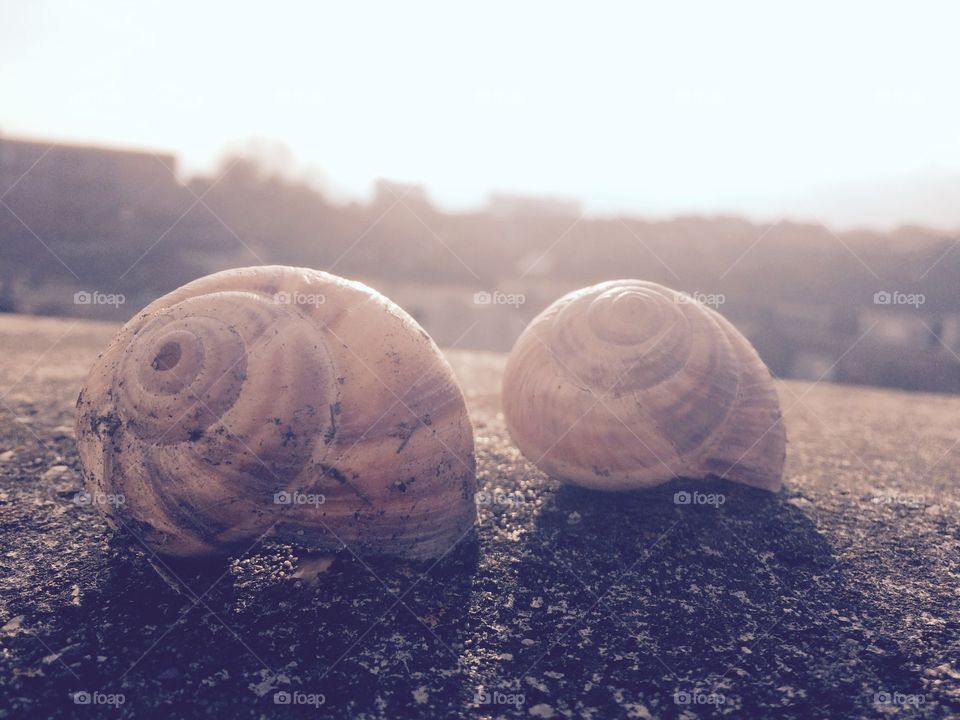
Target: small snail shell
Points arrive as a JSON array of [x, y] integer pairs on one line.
[[281, 400], [628, 384]]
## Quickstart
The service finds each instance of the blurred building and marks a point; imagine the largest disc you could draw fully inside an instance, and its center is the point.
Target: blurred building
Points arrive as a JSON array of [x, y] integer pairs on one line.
[[74, 177], [390, 192], [73, 211], [503, 204]]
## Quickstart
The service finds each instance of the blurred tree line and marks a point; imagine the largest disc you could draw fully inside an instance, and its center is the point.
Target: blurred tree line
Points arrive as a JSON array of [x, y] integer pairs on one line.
[[139, 228]]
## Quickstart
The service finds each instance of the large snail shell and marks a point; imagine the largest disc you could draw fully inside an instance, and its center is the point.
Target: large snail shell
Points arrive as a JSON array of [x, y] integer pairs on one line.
[[628, 384], [282, 400]]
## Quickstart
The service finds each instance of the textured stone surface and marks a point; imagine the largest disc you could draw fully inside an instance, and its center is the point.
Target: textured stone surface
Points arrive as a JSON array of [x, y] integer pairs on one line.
[[822, 601]]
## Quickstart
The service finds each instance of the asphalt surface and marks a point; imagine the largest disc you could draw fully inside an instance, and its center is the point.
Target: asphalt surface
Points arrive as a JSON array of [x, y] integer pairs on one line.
[[837, 597]]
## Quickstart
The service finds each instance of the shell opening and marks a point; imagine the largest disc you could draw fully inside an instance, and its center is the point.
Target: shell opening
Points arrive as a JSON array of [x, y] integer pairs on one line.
[[167, 357]]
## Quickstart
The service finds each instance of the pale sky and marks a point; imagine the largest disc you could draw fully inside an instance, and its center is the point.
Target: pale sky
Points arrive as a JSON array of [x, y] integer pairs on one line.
[[845, 111]]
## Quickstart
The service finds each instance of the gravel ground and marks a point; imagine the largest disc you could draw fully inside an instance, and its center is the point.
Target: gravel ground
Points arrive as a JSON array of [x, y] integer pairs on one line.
[[838, 597]]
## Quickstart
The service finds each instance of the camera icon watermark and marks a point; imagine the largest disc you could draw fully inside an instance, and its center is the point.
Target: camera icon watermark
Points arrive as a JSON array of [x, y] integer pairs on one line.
[[497, 697], [85, 498], [883, 297], [714, 300], [285, 697], [904, 499], [485, 497], [85, 697], [95, 297], [295, 497], [682, 697], [685, 497], [885, 697], [483, 297], [299, 298]]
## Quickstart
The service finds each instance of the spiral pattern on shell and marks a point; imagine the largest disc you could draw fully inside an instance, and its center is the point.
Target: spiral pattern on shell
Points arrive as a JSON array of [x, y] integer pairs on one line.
[[278, 400], [629, 384]]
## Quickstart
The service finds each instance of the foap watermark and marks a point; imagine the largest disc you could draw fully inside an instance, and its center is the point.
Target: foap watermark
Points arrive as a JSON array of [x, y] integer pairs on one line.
[[691, 697], [499, 298], [286, 697], [298, 298], [885, 697], [485, 497], [295, 497], [713, 300], [98, 498], [95, 297], [685, 497], [883, 297], [85, 697], [498, 697], [904, 499]]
